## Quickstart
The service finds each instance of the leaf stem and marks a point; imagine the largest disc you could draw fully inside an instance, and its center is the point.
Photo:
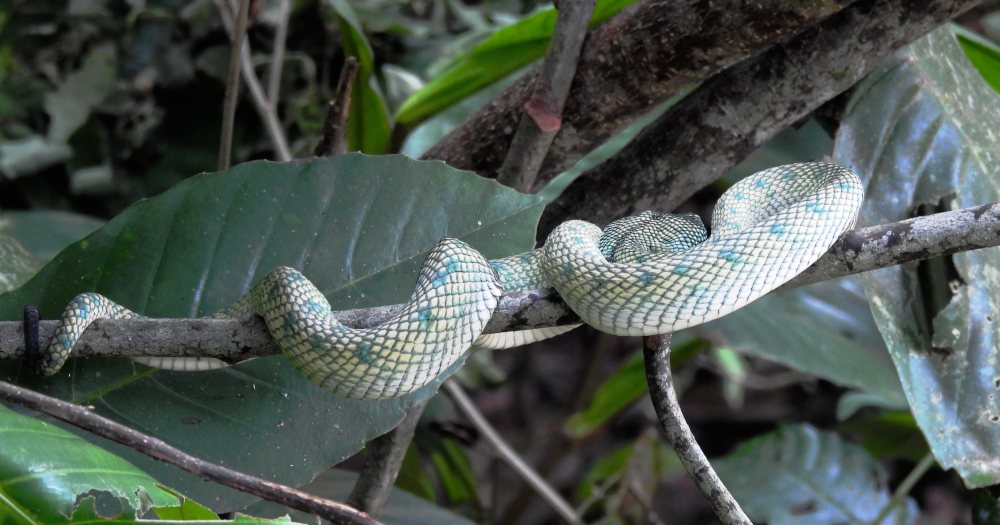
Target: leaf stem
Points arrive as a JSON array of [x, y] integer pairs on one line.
[[656, 353], [905, 487], [507, 454], [337, 513]]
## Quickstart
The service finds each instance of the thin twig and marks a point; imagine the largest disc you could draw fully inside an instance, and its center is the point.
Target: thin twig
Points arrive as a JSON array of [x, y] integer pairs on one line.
[[232, 85], [905, 487], [270, 119], [656, 353], [333, 140], [385, 457], [507, 454], [534, 135], [278, 55], [76, 415], [230, 340]]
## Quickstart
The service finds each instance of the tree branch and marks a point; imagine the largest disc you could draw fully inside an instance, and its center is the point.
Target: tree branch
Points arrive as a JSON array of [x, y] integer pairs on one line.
[[656, 355], [534, 135], [232, 340], [507, 454], [337, 513], [651, 51], [720, 123]]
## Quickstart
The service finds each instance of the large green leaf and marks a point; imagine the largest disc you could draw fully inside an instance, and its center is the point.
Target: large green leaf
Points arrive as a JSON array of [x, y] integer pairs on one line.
[[920, 130], [46, 471], [800, 475], [357, 226], [506, 51], [368, 127], [824, 329], [46, 233]]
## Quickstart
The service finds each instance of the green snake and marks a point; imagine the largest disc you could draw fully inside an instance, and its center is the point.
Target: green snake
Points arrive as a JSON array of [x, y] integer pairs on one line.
[[643, 275]]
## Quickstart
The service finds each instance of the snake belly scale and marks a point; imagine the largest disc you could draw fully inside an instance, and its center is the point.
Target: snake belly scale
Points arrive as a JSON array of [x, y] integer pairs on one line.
[[642, 275]]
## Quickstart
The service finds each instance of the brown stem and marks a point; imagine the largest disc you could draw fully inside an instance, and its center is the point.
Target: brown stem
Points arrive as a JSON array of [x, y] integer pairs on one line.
[[333, 140], [545, 108]]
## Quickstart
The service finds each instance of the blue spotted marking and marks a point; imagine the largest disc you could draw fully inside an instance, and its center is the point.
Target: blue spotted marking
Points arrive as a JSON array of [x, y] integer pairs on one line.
[[759, 183], [441, 278], [738, 195], [731, 255], [681, 269], [815, 208], [778, 229], [363, 351]]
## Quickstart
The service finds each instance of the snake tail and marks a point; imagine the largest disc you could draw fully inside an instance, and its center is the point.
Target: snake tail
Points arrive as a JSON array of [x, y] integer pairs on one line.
[[81, 311]]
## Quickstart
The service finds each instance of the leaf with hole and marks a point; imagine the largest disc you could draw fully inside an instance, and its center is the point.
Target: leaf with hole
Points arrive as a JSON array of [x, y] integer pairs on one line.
[[920, 131]]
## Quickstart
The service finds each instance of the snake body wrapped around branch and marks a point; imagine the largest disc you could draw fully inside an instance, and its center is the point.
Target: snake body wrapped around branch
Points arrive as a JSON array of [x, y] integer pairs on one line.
[[643, 275]]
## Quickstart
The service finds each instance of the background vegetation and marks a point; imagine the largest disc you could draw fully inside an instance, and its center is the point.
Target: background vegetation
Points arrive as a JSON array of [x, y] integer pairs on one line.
[[812, 409]]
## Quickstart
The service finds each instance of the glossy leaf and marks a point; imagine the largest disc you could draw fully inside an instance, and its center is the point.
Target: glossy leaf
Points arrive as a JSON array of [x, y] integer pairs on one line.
[[920, 130], [44, 470], [506, 51], [357, 226], [368, 126], [824, 329], [801, 475]]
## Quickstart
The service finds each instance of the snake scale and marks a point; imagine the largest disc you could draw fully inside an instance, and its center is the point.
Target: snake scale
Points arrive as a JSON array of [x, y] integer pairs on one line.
[[643, 275]]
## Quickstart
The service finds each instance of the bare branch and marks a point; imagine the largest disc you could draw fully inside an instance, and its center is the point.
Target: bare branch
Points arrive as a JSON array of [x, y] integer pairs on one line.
[[333, 140], [534, 135], [234, 340], [337, 513], [507, 454], [385, 457], [732, 114], [267, 114], [232, 86], [651, 51], [656, 354], [278, 55]]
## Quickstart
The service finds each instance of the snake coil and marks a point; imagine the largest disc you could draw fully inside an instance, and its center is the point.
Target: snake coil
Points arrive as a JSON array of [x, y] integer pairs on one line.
[[643, 275]]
